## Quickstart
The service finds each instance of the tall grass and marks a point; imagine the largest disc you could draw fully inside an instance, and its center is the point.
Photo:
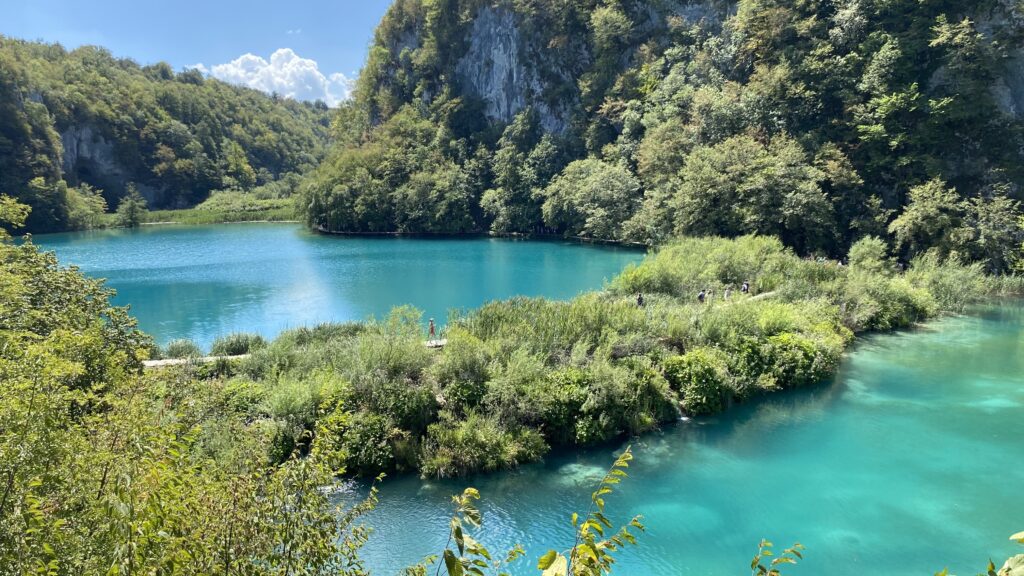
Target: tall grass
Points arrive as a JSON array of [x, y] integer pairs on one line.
[[521, 375]]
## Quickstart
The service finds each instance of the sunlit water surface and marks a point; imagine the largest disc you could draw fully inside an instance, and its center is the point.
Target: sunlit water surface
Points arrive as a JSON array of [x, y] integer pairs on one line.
[[911, 461], [201, 282]]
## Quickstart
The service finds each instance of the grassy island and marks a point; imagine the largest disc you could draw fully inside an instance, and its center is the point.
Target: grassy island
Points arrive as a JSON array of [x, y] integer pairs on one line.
[[522, 376]]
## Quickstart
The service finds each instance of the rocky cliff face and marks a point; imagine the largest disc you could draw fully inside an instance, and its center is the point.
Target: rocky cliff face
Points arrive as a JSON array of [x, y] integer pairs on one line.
[[509, 69], [1009, 89], [501, 69], [89, 157]]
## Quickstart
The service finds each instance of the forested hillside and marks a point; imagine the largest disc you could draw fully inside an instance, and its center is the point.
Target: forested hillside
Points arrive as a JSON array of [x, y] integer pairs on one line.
[[76, 128], [820, 122]]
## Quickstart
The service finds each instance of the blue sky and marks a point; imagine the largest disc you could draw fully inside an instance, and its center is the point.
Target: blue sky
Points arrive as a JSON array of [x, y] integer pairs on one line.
[[324, 37]]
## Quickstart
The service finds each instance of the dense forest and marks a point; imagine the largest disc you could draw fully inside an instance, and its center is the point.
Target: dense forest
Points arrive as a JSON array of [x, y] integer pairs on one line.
[[818, 122], [78, 128]]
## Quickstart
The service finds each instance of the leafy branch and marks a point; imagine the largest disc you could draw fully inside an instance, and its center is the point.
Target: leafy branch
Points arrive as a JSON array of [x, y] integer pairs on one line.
[[592, 553]]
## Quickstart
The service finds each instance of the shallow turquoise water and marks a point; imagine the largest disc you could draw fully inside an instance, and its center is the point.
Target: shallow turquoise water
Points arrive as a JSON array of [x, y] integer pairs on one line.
[[200, 282], [912, 460]]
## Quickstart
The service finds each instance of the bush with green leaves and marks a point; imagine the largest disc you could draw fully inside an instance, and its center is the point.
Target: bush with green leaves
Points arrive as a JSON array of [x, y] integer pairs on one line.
[[478, 443], [181, 348], [237, 344], [462, 371], [132, 209], [702, 378]]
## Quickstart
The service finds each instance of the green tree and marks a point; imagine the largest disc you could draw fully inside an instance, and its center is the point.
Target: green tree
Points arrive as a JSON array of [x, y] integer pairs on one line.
[[591, 198], [512, 205], [238, 172], [132, 208], [741, 186], [12, 215], [86, 207], [929, 220], [992, 232]]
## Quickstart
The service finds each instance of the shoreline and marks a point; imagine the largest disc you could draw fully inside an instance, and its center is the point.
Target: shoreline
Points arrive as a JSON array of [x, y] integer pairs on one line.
[[507, 235]]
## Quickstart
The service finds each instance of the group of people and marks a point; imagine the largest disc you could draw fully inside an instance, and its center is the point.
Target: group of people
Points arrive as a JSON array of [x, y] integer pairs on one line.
[[702, 296], [706, 294]]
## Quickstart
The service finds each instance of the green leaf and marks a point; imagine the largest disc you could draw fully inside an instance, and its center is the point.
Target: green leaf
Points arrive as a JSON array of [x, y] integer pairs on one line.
[[459, 539], [547, 560], [559, 567], [451, 562]]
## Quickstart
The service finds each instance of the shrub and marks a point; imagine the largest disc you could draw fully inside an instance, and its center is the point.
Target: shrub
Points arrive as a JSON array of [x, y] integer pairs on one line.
[[462, 371], [477, 444], [366, 443], [871, 255], [622, 399], [181, 349], [702, 377], [797, 361], [562, 398], [237, 344], [952, 285], [410, 407]]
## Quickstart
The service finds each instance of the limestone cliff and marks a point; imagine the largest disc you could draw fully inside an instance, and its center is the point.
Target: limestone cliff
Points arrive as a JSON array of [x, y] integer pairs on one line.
[[507, 58], [90, 157], [501, 68]]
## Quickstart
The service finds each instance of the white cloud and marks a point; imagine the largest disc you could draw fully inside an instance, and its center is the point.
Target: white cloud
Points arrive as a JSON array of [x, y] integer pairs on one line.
[[287, 74], [294, 32]]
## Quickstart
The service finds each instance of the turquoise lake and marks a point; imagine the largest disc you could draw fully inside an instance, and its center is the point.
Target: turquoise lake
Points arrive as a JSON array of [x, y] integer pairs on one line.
[[908, 462], [201, 282]]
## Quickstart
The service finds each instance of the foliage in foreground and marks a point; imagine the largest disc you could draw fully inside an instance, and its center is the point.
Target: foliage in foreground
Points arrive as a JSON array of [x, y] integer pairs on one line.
[[103, 471]]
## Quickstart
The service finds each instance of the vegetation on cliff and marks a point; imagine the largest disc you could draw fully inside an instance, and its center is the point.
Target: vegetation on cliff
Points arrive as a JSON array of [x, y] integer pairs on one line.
[[818, 122], [77, 128]]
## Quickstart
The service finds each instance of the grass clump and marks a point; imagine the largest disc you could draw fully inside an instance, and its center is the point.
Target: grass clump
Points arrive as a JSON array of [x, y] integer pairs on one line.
[[181, 348], [237, 344]]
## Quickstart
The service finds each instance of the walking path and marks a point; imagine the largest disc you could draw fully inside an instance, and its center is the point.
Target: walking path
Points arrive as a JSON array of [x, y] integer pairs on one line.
[[151, 364], [168, 362]]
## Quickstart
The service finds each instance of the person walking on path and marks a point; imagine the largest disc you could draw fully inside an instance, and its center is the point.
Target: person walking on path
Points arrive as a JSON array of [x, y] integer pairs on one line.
[[745, 288], [701, 296], [433, 331], [640, 300]]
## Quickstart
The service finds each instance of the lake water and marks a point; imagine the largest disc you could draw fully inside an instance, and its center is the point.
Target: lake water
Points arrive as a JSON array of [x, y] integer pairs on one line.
[[911, 461], [201, 282]]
